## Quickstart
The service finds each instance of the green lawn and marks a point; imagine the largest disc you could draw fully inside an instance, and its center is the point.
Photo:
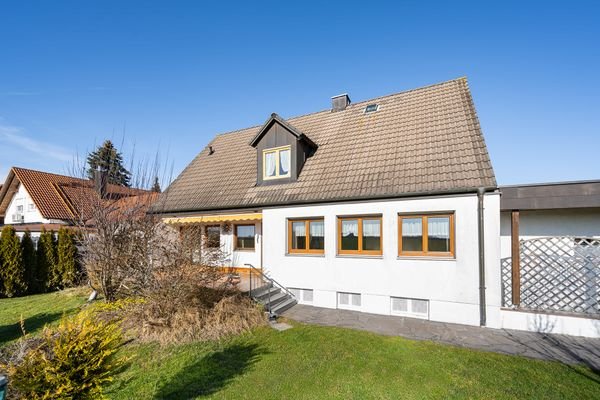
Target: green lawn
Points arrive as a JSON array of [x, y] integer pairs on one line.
[[311, 362], [36, 310]]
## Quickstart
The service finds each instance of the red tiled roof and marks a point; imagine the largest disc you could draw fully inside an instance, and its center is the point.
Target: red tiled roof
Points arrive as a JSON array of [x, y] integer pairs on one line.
[[57, 196]]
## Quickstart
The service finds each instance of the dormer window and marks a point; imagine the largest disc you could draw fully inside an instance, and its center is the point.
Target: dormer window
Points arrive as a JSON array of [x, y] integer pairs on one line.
[[276, 162], [281, 151]]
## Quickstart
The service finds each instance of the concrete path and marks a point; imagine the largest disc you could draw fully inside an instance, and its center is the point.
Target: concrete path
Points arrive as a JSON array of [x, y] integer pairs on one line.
[[566, 349]]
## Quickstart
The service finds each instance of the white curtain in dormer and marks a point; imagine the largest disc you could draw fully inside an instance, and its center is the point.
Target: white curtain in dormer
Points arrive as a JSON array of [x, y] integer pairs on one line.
[[350, 227], [438, 227], [284, 162], [412, 227], [270, 164], [371, 227]]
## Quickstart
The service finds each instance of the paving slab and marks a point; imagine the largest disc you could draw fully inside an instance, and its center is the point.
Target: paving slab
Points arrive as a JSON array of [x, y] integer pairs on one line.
[[566, 349], [280, 326]]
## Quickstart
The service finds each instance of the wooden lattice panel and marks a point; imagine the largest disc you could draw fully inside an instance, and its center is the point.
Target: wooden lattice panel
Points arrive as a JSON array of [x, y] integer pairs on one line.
[[557, 274]]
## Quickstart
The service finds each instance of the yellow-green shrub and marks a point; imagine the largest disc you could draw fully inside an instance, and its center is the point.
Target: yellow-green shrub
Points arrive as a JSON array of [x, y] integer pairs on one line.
[[73, 360]]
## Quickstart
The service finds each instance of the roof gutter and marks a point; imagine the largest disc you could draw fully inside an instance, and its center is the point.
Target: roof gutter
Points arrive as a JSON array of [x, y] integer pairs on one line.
[[326, 201], [481, 233]]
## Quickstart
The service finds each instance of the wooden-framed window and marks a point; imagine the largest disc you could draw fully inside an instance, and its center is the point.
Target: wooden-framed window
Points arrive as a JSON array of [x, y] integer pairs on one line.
[[277, 162], [244, 237], [429, 235], [213, 236], [361, 235], [306, 236]]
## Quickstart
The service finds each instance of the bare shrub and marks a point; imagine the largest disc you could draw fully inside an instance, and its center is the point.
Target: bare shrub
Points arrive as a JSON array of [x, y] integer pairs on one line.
[[232, 314], [187, 293]]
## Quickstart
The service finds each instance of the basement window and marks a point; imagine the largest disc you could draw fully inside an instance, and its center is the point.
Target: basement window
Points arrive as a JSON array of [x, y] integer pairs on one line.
[[304, 296], [410, 307], [371, 108], [351, 301]]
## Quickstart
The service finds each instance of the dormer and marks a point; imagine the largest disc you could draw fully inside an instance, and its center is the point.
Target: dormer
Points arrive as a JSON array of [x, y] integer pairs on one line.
[[281, 151]]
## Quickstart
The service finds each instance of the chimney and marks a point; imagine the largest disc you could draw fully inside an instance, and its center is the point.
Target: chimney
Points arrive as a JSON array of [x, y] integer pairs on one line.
[[340, 102], [100, 183]]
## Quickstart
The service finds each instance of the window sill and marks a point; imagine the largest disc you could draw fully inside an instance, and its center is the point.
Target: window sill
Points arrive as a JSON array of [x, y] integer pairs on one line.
[[373, 257], [304, 255], [245, 250], [426, 258]]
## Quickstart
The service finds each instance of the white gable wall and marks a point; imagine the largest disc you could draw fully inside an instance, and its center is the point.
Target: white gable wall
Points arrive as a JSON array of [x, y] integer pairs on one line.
[[22, 199], [450, 286]]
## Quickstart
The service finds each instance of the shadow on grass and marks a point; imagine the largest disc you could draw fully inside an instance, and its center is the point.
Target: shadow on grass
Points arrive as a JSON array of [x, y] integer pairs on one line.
[[211, 373], [32, 324]]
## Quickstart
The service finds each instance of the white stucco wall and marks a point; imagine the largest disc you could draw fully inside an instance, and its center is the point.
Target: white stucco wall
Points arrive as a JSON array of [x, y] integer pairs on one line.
[[450, 285], [22, 198], [532, 224], [550, 323]]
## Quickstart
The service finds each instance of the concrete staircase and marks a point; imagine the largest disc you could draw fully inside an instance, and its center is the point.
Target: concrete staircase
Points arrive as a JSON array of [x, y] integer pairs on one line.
[[274, 299], [268, 292]]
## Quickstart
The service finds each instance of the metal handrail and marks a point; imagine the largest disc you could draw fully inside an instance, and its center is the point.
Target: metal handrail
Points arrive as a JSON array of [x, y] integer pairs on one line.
[[272, 283]]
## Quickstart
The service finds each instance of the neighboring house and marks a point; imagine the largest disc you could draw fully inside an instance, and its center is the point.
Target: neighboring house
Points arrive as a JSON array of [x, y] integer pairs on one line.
[[35, 200], [387, 206]]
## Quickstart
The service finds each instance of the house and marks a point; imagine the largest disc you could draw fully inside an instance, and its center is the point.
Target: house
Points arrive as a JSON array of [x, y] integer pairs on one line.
[[386, 206], [35, 200]]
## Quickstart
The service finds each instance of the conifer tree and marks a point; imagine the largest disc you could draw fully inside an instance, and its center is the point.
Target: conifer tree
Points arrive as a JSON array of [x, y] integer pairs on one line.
[[13, 271], [46, 260], [28, 251], [156, 185], [108, 159], [67, 257]]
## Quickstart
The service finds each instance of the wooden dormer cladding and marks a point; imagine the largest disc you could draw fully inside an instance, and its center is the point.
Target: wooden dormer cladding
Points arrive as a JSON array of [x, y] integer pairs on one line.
[[276, 133]]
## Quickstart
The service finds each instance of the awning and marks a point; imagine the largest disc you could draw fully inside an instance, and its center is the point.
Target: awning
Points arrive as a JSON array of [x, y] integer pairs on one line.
[[214, 218]]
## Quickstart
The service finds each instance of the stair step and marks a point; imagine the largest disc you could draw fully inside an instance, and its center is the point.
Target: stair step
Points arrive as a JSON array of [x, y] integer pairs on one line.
[[281, 307], [275, 299], [263, 295], [261, 289]]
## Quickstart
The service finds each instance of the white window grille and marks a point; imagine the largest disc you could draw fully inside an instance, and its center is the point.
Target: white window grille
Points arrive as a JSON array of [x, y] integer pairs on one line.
[[410, 307], [303, 296], [349, 300]]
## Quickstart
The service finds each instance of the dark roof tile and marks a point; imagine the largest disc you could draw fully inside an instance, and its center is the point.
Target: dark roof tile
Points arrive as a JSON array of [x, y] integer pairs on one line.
[[420, 141]]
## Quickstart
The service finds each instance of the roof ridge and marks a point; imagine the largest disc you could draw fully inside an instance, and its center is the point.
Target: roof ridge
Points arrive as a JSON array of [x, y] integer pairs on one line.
[[47, 173], [328, 110]]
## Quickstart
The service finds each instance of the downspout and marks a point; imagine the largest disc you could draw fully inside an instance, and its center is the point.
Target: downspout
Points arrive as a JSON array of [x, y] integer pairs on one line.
[[481, 234]]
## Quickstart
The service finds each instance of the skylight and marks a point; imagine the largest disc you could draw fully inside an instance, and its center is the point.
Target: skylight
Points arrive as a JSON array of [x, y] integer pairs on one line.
[[371, 108]]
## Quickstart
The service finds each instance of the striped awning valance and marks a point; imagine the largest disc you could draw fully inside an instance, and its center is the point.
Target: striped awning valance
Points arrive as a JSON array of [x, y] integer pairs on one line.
[[200, 219]]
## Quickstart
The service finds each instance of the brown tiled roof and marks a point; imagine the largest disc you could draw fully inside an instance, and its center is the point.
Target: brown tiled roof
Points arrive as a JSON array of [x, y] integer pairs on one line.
[[57, 196], [426, 140]]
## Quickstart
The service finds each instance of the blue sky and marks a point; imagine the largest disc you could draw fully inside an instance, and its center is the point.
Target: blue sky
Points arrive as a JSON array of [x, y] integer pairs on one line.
[[166, 76]]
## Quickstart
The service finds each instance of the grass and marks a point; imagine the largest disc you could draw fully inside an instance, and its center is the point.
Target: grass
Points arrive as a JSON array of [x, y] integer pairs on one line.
[[37, 310], [313, 362]]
